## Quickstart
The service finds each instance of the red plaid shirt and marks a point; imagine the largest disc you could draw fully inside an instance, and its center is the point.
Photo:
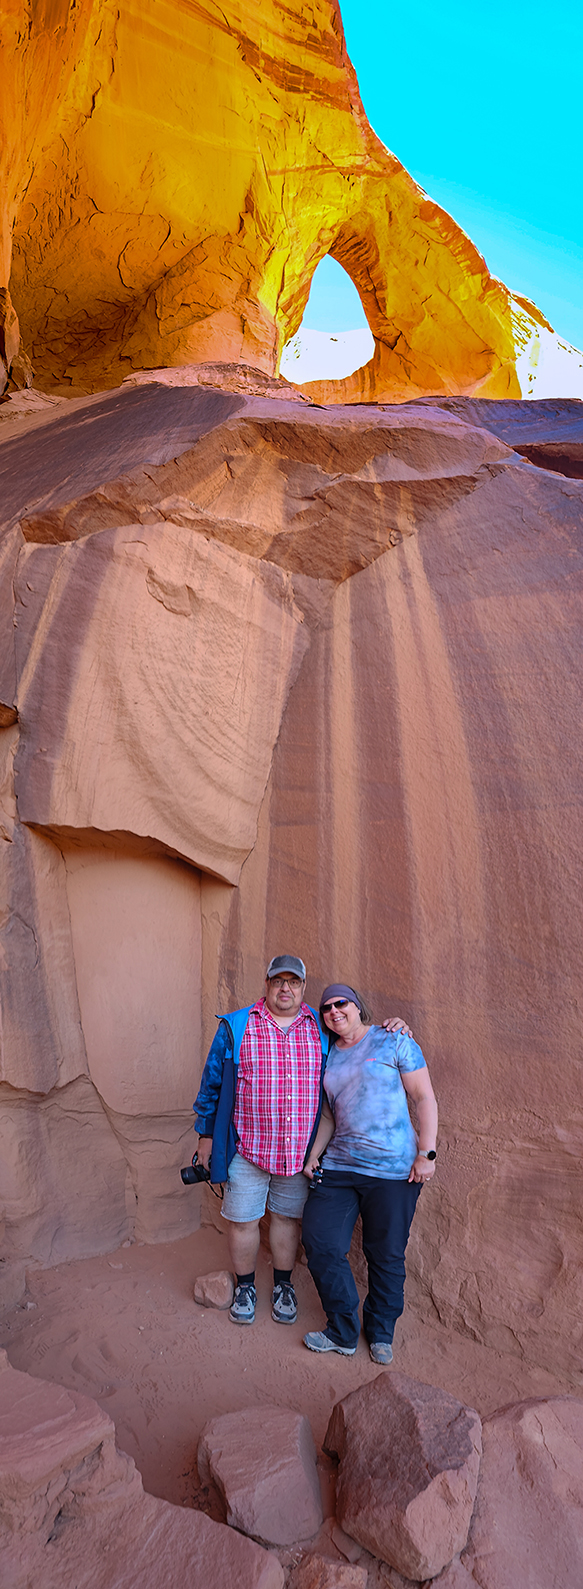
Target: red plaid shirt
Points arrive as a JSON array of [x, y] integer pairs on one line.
[[278, 1090]]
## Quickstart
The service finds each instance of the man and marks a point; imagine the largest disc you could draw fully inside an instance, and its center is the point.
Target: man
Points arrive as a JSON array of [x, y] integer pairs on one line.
[[257, 1113]]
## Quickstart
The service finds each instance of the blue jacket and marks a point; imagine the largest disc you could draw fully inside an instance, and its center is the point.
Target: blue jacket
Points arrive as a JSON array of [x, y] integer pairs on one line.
[[215, 1101]]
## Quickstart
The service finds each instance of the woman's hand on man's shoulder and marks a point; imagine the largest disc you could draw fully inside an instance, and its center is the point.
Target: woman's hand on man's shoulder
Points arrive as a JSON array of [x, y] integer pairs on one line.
[[395, 1024]]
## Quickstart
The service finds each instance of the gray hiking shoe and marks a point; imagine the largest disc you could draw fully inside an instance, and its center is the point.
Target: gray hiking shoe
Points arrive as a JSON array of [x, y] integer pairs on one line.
[[284, 1304], [242, 1309], [319, 1342], [381, 1352]]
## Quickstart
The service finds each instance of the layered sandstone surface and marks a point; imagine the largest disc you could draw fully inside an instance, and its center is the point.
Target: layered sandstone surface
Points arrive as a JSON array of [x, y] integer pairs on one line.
[[275, 676], [527, 1526], [73, 1511], [171, 175]]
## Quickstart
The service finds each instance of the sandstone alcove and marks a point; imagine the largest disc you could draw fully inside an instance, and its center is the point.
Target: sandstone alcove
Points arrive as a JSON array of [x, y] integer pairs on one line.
[[193, 639], [136, 931], [275, 683]]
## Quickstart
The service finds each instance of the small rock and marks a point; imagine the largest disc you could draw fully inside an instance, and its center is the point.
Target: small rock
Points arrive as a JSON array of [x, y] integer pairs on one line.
[[318, 1572], [21, 371], [215, 1290], [263, 1463], [344, 1543], [409, 1461]]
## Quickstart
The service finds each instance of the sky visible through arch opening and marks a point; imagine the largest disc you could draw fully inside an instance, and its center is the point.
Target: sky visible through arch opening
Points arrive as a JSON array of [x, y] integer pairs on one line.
[[483, 108], [334, 337]]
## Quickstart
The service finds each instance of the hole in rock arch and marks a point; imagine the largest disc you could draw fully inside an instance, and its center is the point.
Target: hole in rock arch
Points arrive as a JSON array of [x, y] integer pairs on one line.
[[334, 338]]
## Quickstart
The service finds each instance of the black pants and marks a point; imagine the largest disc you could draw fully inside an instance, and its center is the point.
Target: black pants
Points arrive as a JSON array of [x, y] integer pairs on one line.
[[330, 1214]]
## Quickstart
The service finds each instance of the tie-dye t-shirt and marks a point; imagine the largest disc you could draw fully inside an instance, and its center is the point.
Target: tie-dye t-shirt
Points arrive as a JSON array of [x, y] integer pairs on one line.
[[373, 1131]]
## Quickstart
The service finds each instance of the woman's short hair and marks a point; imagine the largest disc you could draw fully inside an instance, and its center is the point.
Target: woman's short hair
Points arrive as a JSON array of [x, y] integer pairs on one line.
[[366, 1015]]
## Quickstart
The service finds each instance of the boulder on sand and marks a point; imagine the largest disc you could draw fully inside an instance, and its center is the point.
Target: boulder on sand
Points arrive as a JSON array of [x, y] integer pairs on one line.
[[409, 1462], [263, 1463]]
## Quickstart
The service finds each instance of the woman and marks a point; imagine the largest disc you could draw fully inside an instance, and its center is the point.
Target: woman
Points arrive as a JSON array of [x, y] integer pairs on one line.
[[373, 1165]]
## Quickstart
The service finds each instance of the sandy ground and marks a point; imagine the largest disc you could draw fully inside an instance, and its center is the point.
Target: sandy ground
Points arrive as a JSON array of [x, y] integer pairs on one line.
[[124, 1329]]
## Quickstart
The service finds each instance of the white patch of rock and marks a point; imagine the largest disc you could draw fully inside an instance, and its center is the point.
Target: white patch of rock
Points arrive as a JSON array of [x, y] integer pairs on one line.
[[546, 365]]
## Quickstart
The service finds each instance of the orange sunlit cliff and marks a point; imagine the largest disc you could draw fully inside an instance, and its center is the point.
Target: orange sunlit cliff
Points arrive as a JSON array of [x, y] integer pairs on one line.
[[173, 173]]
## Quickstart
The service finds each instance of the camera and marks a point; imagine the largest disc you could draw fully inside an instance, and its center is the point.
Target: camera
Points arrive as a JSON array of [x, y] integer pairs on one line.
[[193, 1173]]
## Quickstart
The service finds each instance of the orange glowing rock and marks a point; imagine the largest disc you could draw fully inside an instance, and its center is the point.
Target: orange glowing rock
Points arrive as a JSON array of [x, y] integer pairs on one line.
[[174, 172]]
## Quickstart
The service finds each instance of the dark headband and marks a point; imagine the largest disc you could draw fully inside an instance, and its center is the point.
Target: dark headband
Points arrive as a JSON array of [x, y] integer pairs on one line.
[[339, 990]]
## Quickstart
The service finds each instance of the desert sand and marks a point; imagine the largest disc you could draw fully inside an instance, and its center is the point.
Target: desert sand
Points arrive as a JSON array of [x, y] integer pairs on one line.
[[124, 1329]]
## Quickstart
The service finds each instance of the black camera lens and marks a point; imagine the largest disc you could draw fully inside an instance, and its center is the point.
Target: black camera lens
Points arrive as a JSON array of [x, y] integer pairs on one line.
[[194, 1173], [189, 1175]]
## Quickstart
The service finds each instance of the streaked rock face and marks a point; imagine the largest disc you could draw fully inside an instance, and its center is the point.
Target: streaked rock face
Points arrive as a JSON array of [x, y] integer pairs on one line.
[[171, 619], [173, 175], [286, 677], [527, 1524]]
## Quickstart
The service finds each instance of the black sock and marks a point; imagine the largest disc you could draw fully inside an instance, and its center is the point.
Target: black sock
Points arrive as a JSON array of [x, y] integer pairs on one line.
[[246, 1280], [282, 1277]]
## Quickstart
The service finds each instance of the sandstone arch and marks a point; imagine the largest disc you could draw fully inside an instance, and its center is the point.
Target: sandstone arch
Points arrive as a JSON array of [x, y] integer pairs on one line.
[[180, 174], [427, 331]]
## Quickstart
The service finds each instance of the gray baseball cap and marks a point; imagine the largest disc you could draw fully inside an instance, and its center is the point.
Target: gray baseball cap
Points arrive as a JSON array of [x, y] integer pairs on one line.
[[290, 963]]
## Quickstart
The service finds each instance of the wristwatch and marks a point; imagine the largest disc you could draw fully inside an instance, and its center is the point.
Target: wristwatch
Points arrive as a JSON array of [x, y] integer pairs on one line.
[[430, 1155]]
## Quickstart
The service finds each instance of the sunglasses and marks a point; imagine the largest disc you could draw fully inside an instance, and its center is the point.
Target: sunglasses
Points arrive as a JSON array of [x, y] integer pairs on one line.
[[335, 1004]]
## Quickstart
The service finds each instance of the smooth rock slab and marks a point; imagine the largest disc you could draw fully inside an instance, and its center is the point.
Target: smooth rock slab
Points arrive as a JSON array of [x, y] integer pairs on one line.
[[73, 1510], [215, 1290], [409, 1461], [344, 1543], [198, 644], [527, 1527], [263, 1463]]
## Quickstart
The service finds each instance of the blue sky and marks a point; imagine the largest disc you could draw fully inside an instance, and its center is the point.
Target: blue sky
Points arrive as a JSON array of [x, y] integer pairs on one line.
[[483, 107]]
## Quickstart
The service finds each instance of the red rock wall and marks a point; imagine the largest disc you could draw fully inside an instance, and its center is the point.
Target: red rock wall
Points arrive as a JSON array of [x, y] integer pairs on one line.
[[308, 679], [420, 838]]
